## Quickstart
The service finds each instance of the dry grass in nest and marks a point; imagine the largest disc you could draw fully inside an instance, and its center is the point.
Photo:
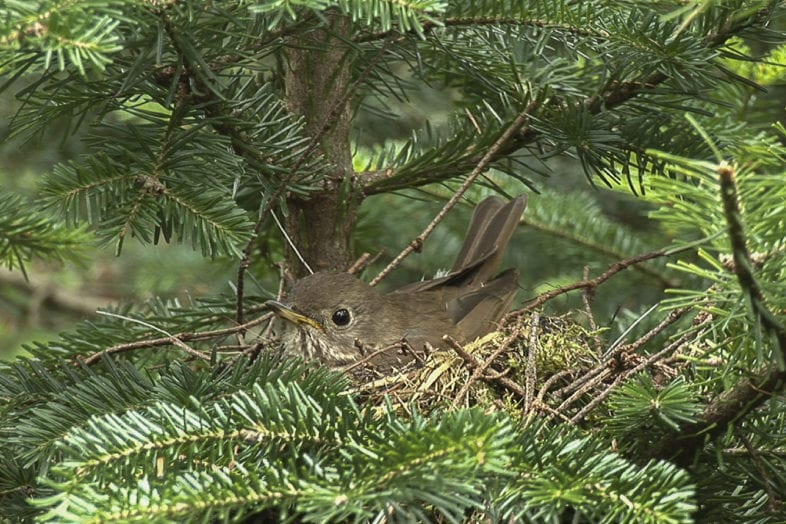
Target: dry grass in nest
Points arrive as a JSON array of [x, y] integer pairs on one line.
[[504, 370]]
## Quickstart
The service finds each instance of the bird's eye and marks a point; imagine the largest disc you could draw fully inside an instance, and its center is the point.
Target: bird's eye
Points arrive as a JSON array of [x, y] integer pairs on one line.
[[341, 317]]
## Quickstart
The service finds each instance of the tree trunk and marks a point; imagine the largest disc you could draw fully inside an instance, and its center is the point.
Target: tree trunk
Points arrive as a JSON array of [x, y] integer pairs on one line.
[[317, 81]]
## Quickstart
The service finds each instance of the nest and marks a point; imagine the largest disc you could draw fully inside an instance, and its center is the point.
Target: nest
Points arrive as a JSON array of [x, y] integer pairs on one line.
[[513, 369], [551, 366]]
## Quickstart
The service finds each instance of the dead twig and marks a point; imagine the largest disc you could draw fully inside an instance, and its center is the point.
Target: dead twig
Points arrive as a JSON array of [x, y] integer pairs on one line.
[[169, 339], [473, 363], [480, 371], [587, 295], [367, 358], [482, 165], [592, 283], [359, 264], [596, 375], [539, 404], [531, 373], [655, 357], [598, 378], [173, 339]]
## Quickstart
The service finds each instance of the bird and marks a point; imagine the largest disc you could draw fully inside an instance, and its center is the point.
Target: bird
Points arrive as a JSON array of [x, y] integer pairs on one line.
[[338, 319]]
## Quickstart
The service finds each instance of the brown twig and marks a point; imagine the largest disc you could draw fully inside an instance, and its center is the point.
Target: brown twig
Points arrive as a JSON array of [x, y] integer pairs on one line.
[[359, 264], [480, 371], [614, 353], [634, 346], [531, 373], [596, 399], [603, 371], [480, 168], [600, 397], [599, 375], [377, 352], [473, 363], [407, 348], [550, 382], [592, 283], [171, 339], [551, 412], [587, 295]]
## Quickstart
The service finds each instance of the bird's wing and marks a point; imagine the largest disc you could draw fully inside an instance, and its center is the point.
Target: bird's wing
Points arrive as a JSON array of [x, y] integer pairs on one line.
[[488, 235], [477, 311]]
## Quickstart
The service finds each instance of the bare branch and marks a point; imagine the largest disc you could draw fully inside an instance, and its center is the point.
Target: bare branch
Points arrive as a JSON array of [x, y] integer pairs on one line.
[[171, 339], [480, 168], [591, 283]]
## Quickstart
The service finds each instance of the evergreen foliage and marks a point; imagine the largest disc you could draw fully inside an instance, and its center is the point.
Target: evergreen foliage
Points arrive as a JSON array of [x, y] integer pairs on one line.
[[267, 435], [25, 235], [202, 120]]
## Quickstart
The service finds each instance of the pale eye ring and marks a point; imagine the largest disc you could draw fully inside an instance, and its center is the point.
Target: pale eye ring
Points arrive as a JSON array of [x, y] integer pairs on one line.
[[341, 317]]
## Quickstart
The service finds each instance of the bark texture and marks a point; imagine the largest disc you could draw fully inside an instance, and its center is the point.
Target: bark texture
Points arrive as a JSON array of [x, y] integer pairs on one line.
[[317, 81]]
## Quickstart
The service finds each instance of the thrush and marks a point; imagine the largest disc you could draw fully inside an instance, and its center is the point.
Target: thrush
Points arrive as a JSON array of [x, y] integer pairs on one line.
[[339, 319]]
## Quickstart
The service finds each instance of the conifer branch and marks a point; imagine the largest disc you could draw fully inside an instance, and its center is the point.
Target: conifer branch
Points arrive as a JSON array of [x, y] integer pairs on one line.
[[749, 393], [611, 96], [195, 137], [476, 21], [195, 89], [27, 233]]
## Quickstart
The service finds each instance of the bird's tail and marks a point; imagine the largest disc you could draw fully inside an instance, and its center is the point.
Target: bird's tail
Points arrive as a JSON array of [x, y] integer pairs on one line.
[[487, 238], [488, 235]]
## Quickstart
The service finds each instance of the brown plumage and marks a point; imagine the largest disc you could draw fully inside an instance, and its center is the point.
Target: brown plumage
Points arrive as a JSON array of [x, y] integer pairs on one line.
[[339, 319]]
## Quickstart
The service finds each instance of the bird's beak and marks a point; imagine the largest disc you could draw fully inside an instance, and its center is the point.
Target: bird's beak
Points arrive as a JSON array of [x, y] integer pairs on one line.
[[287, 313]]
